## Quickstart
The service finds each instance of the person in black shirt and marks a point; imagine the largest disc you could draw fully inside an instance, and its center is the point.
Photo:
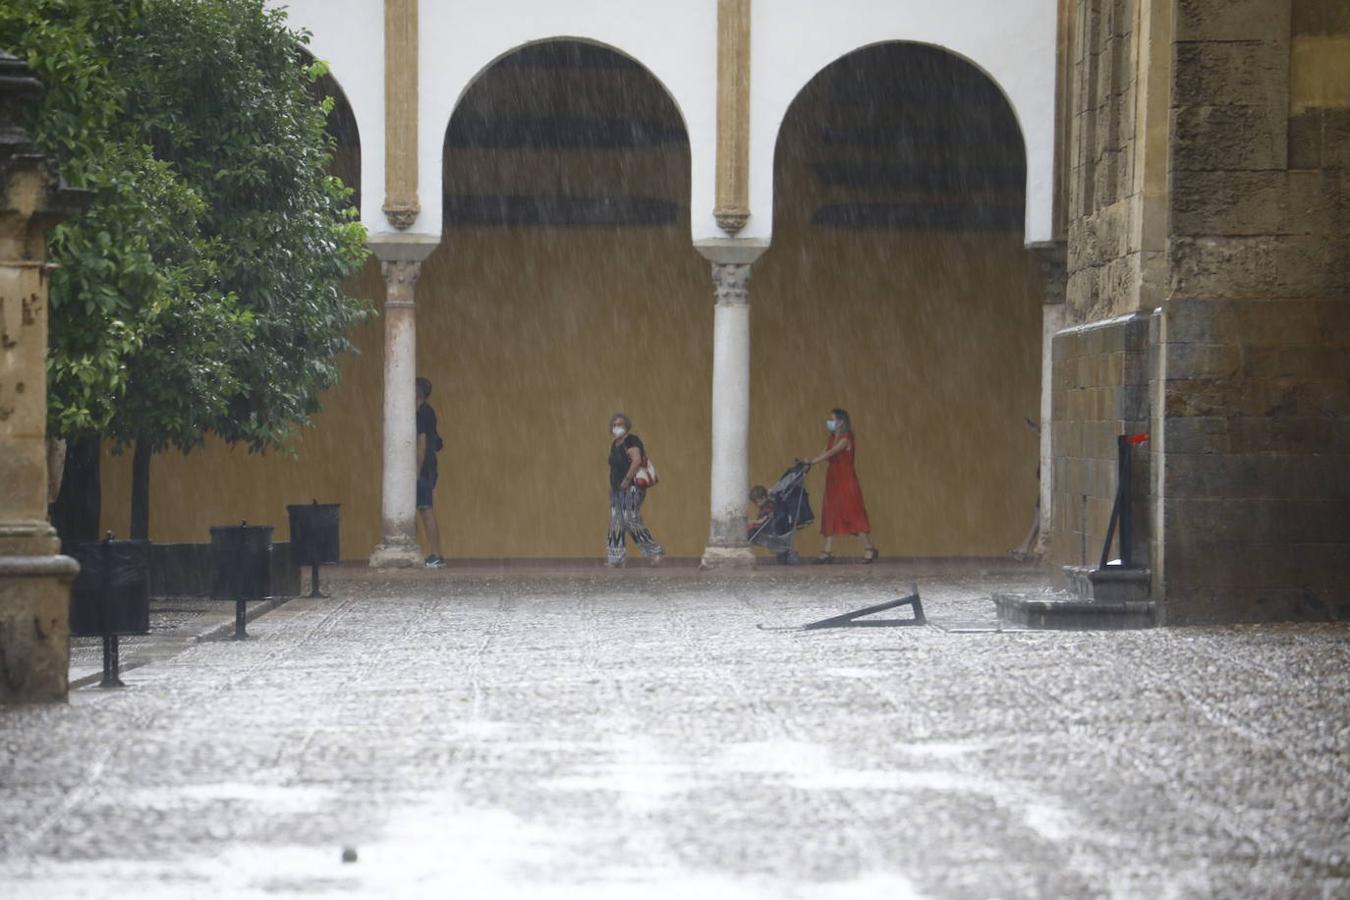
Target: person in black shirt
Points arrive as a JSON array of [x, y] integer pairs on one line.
[[428, 443], [626, 454]]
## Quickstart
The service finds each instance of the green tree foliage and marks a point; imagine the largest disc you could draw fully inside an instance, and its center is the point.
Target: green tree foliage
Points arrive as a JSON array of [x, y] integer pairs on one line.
[[201, 292]]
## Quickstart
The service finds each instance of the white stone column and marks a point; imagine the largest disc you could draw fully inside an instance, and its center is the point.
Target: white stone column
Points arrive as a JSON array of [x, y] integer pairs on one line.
[[1053, 320], [1054, 316], [731, 261], [401, 261]]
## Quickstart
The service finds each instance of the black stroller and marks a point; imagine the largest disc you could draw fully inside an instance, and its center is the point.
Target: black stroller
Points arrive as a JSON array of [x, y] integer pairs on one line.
[[791, 510]]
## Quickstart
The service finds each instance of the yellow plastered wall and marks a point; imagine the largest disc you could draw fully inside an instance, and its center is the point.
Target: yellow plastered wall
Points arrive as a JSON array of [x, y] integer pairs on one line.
[[930, 341], [533, 338]]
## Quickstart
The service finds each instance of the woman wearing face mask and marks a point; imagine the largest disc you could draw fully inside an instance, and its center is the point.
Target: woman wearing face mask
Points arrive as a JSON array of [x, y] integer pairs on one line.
[[626, 454], [842, 511]]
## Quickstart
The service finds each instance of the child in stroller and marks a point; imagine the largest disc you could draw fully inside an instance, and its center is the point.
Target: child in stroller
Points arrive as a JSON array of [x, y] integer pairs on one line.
[[779, 512]]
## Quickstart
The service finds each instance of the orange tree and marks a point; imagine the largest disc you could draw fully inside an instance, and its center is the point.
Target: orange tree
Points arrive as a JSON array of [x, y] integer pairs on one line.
[[202, 292]]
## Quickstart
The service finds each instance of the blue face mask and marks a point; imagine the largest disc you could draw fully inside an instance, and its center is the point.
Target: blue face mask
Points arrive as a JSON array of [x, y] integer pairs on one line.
[[832, 425]]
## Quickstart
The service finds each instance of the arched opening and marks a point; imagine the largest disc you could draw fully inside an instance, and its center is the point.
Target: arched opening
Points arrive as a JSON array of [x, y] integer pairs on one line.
[[565, 289], [346, 137], [898, 287]]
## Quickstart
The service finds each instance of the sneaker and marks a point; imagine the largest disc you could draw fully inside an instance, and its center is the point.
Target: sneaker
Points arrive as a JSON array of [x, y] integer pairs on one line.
[[435, 561]]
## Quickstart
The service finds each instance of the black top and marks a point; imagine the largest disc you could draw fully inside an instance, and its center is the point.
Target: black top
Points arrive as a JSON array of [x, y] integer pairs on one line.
[[426, 424], [619, 462]]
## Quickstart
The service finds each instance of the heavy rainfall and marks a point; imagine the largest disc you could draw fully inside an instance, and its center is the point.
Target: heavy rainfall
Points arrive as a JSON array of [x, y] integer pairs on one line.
[[961, 512]]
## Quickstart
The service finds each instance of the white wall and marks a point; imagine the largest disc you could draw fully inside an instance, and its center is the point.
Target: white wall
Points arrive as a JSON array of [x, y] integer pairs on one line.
[[675, 41], [1013, 41], [349, 36]]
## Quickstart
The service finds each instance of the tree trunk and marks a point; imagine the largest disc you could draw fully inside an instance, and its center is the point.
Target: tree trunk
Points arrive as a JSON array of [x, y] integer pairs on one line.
[[140, 492], [75, 514]]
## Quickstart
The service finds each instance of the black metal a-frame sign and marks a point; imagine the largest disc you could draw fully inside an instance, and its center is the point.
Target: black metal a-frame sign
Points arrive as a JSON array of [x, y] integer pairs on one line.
[[855, 618]]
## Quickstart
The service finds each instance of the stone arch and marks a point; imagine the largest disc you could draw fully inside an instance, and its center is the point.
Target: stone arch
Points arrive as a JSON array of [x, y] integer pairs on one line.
[[565, 268], [481, 120], [564, 39], [898, 265], [1013, 44], [342, 127], [340, 32], [921, 72]]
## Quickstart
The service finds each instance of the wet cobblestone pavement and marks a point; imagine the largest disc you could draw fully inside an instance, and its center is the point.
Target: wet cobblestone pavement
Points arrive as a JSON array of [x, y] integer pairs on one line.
[[634, 734], [174, 623]]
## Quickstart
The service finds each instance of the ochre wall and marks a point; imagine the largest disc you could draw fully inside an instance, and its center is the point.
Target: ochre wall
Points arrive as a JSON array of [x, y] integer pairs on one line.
[[533, 338], [930, 342]]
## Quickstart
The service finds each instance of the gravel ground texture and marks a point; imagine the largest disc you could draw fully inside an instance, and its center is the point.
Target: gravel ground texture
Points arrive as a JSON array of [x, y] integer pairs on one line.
[[570, 733]]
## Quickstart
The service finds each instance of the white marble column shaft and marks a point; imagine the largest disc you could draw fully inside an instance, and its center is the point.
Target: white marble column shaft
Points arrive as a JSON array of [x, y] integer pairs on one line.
[[731, 260], [398, 501], [730, 412]]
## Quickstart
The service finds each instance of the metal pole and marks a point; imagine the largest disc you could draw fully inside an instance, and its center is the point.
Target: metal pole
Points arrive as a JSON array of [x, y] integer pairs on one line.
[[239, 607], [1083, 530], [112, 666], [111, 663], [1123, 499]]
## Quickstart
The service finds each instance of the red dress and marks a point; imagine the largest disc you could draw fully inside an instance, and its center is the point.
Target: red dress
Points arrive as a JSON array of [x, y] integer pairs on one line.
[[842, 510]]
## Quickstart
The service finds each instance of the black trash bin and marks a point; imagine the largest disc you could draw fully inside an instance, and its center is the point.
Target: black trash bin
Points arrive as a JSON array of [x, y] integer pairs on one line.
[[240, 561], [241, 567], [111, 596], [314, 537]]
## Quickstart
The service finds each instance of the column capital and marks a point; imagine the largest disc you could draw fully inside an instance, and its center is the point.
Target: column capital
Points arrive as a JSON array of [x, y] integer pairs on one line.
[[400, 272], [400, 282], [731, 283]]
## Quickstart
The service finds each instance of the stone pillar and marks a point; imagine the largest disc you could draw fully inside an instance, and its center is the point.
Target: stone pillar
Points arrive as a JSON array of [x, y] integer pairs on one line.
[[1052, 257], [401, 206], [401, 261], [34, 579], [731, 261], [732, 208]]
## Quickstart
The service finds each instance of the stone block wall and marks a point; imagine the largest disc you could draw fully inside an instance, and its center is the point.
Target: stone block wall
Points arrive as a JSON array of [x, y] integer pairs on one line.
[[1252, 411], [1101, 156], [1114, 172], [1101, 380]]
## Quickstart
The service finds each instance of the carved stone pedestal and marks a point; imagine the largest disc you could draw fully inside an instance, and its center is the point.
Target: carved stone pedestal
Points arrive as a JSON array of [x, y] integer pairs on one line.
[[34, 580]]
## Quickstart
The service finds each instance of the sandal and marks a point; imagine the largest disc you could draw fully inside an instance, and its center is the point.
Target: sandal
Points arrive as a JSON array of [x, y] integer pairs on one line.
[[823, 559], [870, 555]]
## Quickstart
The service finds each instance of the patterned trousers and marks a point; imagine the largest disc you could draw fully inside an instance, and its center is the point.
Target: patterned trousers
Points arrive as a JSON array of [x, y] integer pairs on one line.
[[625, 518]]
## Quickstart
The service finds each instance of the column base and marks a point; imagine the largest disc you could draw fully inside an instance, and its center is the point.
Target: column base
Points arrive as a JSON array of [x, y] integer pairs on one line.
[[727, 558], [396, 556], [35, 627]]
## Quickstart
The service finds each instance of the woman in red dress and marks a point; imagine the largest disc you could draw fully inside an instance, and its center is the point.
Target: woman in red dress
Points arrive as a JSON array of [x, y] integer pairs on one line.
[[842, 511]]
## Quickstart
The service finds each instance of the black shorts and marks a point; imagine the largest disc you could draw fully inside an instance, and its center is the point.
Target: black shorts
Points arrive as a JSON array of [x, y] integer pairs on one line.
[[426, 486]]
